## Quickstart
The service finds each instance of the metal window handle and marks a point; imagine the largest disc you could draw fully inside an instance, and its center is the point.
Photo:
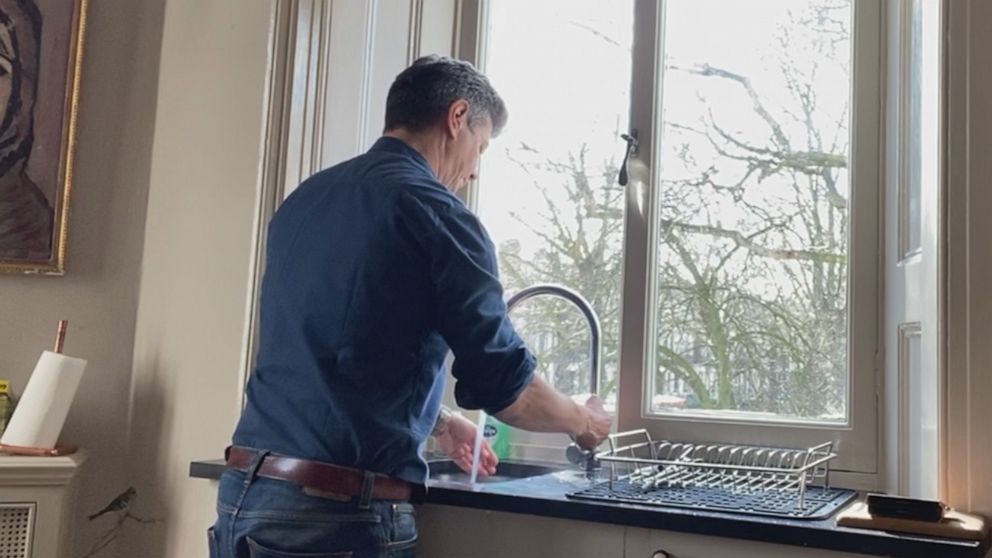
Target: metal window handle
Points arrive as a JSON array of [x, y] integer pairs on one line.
[[631, 140]]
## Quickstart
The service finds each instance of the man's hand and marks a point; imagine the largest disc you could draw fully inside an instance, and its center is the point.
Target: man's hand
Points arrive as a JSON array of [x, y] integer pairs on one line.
[[458, 441], [597, 422]]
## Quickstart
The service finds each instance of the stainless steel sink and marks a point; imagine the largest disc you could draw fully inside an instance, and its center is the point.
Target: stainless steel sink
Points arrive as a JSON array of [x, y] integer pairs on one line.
[[447, 471]]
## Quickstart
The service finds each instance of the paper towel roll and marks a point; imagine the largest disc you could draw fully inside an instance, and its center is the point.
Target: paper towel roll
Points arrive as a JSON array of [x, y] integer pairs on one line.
[[42, 409]]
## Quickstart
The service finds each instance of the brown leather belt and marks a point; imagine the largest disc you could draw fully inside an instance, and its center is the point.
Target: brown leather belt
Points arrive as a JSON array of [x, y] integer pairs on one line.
[[319, 476]]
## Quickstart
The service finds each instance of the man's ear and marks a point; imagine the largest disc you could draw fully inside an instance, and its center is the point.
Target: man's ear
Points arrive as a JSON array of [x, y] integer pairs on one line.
[[457, 117]]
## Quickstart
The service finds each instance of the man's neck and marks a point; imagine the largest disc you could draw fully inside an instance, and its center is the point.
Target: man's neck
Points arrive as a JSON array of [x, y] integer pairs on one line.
[[427, 144]]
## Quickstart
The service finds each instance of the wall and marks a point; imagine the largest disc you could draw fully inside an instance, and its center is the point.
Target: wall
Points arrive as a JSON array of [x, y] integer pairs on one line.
[[98, 294], [197, 247], [968, 414]]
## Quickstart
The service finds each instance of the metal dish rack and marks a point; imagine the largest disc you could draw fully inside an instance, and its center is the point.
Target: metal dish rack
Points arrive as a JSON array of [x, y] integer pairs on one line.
[[736, 478]]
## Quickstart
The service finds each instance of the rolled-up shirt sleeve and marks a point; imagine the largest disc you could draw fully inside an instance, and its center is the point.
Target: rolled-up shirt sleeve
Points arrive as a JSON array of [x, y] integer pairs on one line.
[[492, 364]]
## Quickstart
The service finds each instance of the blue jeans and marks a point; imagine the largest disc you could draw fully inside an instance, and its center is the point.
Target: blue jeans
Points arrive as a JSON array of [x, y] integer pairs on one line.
[[265, 518]]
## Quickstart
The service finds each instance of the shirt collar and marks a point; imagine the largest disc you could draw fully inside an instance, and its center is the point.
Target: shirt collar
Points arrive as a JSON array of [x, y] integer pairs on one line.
[[394, 145]]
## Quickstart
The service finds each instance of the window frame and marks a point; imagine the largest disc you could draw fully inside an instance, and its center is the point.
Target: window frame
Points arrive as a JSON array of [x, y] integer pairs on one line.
[[857, 441]]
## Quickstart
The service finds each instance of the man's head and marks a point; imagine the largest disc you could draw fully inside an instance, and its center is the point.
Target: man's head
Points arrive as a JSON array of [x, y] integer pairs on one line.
[[453, 107]]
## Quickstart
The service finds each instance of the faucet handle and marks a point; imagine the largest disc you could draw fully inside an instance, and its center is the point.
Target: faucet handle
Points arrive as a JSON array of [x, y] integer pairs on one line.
[[578, 456], [598, 421]]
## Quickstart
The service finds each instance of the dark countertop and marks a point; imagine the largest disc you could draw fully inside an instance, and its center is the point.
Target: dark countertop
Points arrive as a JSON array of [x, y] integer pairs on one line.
[[545, 496]]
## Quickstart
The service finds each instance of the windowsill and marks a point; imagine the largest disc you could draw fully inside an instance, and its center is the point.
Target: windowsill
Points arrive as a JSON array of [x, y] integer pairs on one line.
[[545, 496]]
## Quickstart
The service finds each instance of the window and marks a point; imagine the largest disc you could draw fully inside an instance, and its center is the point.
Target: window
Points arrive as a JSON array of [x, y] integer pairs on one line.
[[751, 214], [736, 276], [550, 197]]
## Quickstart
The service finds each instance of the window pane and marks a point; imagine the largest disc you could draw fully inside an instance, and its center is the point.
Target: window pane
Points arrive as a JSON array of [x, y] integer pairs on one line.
[[751, 282], [548, 190]]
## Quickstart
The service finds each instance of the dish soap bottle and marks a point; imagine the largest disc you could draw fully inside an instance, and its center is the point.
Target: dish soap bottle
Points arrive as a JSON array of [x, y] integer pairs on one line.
[[498, 436], [6, 404]]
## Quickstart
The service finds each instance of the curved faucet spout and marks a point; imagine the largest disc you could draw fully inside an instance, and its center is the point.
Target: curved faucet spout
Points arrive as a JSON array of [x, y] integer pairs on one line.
[[583, 305]]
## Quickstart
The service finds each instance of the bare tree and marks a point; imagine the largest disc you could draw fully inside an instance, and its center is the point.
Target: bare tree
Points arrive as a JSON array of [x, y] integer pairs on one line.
[[751, 272], [582, 243], [755, 309]]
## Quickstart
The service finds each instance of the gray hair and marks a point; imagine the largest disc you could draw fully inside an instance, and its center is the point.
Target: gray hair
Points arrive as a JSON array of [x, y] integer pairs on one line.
[[422, 94]]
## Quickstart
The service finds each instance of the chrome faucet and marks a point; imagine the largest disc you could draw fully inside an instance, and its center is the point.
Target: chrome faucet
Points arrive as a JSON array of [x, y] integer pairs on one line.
[[583, 305], [573, 453]]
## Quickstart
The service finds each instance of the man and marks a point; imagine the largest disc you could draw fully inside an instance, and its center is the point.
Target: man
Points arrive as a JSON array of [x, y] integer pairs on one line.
[[375, 269]]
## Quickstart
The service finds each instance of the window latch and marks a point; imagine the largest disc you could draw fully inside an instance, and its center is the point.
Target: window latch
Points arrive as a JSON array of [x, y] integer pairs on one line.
[[631, 140]]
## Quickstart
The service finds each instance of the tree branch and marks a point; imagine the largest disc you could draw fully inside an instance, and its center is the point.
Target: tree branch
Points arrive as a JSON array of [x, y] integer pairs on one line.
[[748, 242], [706, 70]]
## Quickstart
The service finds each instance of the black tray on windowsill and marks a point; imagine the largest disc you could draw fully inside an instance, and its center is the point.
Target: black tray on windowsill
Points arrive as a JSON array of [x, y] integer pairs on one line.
[[819, 503]]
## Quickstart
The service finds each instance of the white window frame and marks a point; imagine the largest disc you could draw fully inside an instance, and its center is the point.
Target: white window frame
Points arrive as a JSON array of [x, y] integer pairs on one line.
[[857, 441]]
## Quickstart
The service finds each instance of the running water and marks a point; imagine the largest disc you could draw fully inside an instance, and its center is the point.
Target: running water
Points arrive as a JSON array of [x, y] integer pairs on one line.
[[477, 449]]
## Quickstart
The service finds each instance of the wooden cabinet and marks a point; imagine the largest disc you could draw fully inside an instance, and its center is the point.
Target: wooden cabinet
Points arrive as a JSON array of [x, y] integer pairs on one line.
[[37, 505], [467, 533], [447, 531], [646, 543]]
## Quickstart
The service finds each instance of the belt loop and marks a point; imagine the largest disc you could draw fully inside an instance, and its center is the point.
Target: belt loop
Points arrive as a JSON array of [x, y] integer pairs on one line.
[[256, 462], [368, 483]]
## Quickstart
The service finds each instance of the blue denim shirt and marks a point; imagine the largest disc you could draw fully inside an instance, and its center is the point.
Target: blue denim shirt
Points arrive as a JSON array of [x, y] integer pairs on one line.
[[373, 271]]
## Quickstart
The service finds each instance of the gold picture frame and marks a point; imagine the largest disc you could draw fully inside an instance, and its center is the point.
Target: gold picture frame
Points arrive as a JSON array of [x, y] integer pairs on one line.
[[41, 54]]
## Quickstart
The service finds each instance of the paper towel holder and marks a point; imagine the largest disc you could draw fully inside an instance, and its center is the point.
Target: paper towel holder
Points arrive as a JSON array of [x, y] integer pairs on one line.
[[59, 449]]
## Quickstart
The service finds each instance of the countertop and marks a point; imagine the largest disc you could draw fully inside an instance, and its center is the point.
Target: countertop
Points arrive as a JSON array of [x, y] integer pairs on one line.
[[546, 496]]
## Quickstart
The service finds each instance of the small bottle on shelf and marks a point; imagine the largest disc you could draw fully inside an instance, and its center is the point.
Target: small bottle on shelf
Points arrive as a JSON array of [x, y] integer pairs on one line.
[[6, 404]]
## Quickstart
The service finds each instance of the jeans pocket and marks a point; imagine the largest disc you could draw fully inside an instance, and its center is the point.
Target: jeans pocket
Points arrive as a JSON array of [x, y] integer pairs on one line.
[[403, 530], [212, 543], [256, 550]]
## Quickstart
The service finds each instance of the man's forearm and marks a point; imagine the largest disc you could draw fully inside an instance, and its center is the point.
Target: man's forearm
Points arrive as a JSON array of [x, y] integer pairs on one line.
[[540, 408]]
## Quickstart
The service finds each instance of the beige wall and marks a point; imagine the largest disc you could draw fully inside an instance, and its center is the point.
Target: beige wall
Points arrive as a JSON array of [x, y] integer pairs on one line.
[[98, 294], [168, 157], [968, 436], [198, 236]]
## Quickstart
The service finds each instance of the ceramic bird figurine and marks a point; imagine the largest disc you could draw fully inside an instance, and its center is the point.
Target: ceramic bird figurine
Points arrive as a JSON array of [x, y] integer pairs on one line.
[[120, 503]]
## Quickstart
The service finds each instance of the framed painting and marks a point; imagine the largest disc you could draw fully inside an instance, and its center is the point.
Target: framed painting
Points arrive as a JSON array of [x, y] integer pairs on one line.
[[41, 49]]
